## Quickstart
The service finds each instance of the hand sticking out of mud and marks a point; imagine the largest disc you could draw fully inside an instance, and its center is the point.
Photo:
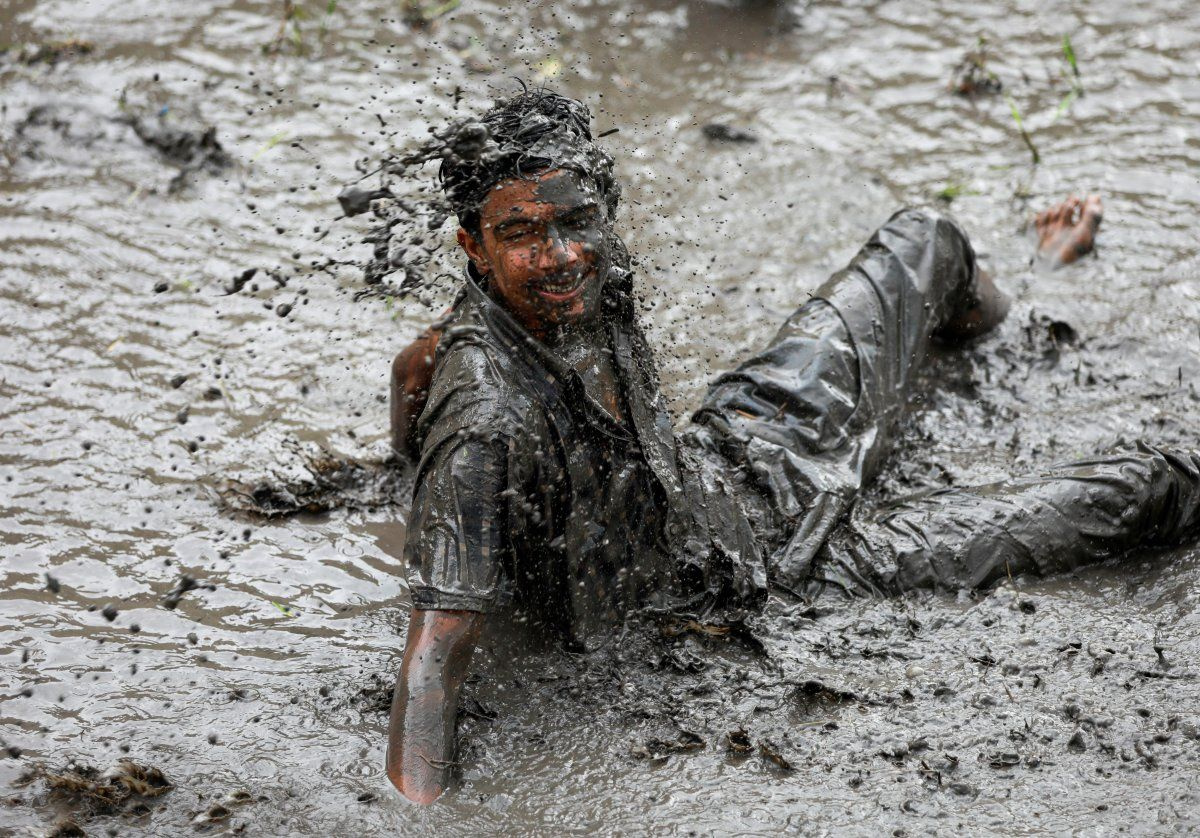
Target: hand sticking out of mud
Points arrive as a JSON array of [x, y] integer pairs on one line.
[[1067, 231]]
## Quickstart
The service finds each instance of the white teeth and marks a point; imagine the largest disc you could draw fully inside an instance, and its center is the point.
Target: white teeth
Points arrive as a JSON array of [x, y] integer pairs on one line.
[[561, 287]]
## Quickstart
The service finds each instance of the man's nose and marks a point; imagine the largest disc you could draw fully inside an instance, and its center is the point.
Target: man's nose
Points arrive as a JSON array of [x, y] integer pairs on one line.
[[555, 253]]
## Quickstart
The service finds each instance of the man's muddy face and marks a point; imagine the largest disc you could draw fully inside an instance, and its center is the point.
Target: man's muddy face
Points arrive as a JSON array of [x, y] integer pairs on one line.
[[543, 248]]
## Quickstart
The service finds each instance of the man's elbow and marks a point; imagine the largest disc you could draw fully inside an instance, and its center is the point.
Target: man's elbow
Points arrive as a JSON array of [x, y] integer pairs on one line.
[[412, 375], [417, 793]]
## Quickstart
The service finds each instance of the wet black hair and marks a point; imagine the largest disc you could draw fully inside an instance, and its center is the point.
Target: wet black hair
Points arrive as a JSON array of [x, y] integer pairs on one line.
[[534, 131], [521, 135]]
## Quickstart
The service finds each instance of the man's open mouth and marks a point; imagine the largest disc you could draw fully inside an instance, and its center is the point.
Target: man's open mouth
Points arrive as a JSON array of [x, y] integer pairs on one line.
[[559, 289]]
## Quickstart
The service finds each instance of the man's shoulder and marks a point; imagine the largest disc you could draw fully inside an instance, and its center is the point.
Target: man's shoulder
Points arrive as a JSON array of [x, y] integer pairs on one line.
[[477, 386], [473, 365]]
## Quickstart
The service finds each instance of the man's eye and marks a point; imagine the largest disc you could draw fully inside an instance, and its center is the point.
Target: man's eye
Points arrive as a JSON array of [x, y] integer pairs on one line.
[[581, 219]]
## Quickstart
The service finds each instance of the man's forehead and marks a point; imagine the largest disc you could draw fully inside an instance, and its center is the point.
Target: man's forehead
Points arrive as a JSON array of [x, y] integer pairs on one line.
[[559, 187]]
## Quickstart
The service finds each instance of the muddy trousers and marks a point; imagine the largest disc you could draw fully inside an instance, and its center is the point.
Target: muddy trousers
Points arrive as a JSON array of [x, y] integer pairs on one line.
[[812, 418], [1058, 520]]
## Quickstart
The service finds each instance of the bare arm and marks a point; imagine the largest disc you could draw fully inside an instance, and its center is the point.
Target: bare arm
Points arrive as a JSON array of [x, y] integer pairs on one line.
[[425, 704], [412, 373]]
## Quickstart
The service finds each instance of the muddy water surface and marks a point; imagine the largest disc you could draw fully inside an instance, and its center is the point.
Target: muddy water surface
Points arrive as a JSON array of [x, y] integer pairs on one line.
[[1059, 706]]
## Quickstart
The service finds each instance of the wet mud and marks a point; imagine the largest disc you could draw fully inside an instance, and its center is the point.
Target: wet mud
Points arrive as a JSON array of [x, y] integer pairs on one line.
[[249, 658], [316, 481], [48, 52], [66, 130]]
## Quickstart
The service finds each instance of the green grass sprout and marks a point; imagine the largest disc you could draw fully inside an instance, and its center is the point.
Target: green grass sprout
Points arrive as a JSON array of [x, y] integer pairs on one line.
[[418, 15], [1076, 90], [330, 8], [1016, 115], [1069, 54], [269, 144], [953, 190]]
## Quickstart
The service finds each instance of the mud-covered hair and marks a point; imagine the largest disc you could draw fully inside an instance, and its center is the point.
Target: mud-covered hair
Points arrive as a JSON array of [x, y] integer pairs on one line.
[[534, 131]]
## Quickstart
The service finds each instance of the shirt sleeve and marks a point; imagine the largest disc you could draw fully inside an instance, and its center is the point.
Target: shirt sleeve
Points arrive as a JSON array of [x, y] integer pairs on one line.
[[456, 543]]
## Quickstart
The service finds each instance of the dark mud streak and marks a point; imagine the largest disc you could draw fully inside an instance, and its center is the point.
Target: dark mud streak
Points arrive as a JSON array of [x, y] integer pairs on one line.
[[188, 148]]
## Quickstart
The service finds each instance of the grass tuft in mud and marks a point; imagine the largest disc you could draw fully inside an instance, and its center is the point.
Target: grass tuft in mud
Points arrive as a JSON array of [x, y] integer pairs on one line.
[[93, 792], [973, 76], [47, 52], [295, 19], [1068, 52], [1025, 138], [420, 14], [315, 480]]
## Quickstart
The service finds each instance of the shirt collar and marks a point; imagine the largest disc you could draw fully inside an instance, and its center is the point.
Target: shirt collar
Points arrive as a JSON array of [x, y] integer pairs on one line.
[[514, 336], [517, 339]]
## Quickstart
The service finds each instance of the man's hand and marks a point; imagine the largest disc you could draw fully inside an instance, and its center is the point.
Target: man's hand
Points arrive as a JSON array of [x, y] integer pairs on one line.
[[425, 703]]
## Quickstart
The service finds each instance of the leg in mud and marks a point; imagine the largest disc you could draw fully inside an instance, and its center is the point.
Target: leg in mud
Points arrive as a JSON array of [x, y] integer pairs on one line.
[[412, 373], [1070, 516], [810, 417]]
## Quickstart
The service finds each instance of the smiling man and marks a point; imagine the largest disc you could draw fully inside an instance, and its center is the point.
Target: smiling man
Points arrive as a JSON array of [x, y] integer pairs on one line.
[[549, 471]]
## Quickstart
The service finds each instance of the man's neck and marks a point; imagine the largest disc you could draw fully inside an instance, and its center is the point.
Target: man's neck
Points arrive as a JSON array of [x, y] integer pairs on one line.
[[586, 350], [563, 340]]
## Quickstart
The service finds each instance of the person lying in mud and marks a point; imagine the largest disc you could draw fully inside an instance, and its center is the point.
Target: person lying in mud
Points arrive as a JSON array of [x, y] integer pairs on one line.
[[549, 471]]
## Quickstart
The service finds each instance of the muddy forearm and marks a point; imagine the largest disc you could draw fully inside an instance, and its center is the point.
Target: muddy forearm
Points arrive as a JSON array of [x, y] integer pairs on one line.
[[421, 734]]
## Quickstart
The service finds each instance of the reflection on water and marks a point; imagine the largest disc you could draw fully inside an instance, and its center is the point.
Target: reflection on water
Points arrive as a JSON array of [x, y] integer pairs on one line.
[[270, 683]]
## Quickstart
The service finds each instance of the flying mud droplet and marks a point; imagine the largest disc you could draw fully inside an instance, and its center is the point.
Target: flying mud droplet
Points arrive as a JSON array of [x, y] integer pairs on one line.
[[720, 132]]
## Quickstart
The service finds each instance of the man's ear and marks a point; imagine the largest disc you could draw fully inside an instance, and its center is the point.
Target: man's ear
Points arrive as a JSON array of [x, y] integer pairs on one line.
[[474, 251]]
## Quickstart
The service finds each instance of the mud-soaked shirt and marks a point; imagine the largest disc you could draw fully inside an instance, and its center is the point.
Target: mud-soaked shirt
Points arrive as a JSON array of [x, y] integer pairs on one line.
[[527, 486], [524, 479]]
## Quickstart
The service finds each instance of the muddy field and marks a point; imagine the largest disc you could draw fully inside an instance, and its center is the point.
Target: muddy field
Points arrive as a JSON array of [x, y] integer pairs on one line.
[[170, 665]]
